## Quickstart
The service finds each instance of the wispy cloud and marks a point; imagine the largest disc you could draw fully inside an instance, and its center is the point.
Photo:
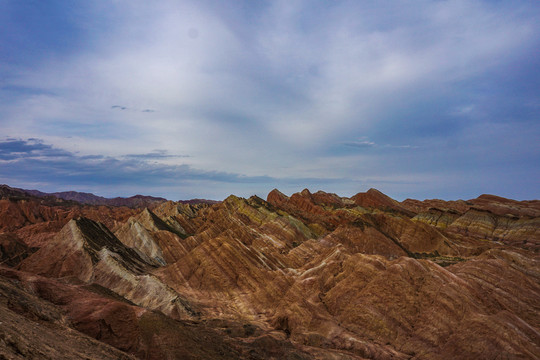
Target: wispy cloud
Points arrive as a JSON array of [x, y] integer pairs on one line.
[[364, 143], [122, 108], [156, 154], [14, 149]]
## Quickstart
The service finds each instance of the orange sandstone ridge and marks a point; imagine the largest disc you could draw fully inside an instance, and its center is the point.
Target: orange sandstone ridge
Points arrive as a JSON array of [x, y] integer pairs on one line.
[[310, 276]]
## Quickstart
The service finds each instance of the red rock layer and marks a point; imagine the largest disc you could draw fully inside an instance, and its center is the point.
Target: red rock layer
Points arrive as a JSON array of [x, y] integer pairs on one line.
[[36, 223], [313, 274]]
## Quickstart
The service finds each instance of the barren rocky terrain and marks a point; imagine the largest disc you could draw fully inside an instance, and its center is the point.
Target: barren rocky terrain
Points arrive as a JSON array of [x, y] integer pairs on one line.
[[310, 276]]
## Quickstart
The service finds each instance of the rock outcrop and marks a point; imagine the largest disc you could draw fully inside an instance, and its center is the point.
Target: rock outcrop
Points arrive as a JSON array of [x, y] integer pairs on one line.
[[89, 252], [31, 327], [12, 249], [375, 199]]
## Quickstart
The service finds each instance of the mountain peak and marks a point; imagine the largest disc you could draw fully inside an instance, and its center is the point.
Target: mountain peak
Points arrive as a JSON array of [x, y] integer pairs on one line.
[[305, 193], [374, 198], [276, 197]]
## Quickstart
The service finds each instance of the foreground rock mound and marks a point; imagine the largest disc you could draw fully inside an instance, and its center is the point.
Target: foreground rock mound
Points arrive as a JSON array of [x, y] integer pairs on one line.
[[33, 328]]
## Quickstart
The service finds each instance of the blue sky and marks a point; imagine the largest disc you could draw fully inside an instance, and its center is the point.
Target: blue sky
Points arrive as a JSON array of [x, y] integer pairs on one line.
[[186, 99]]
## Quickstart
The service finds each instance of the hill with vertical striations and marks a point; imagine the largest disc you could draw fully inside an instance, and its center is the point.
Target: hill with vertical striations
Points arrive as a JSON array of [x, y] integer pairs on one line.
[[306, 276]]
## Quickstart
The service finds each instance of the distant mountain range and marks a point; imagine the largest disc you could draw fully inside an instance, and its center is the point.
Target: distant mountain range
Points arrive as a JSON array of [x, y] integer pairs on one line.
[[137, 201]]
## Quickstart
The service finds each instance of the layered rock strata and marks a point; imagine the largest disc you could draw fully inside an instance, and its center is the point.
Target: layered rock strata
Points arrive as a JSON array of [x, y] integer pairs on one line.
[[306, 276]]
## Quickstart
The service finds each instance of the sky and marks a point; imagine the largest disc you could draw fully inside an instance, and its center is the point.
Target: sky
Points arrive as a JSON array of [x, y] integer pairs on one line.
[[202, 99]]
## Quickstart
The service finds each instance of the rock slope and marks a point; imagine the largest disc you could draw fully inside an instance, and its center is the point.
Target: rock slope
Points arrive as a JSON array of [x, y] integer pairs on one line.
[[88, 251]]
